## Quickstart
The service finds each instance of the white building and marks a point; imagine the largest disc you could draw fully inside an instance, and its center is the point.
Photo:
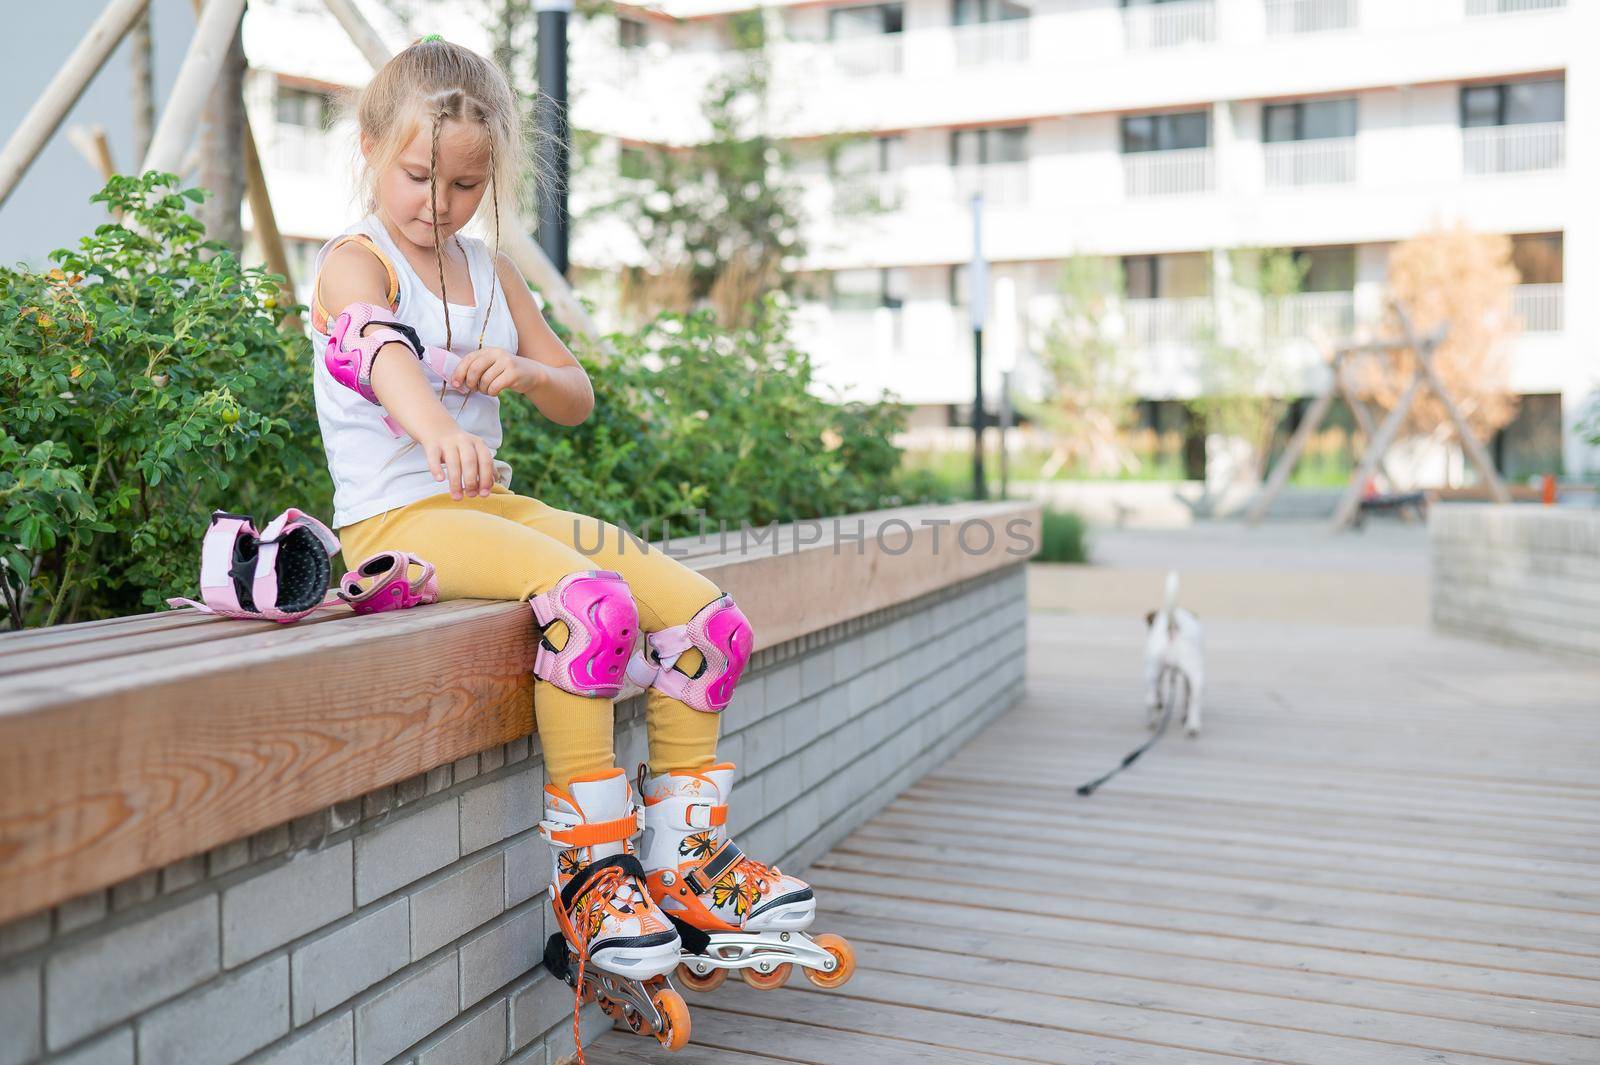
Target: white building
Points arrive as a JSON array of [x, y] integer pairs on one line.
[[1157, 132]]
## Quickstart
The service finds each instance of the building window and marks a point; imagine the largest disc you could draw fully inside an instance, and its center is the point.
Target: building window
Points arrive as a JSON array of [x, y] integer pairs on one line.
[[1168, 132], [1181, 276], [981, 147], [869, 21], [1308, 120], [1330, 269], [631, 33], [1538, 258], [867, 290], [864, 156], [969, 12], [305, 108], [1513, 103]]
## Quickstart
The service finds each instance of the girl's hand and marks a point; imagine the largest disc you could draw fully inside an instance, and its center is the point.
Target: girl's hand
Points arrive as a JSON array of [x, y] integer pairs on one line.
[[493, 370], [464, 458]]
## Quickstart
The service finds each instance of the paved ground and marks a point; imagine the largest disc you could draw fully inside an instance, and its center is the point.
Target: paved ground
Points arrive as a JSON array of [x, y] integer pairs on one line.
[[1282, 571], [1384, 849]]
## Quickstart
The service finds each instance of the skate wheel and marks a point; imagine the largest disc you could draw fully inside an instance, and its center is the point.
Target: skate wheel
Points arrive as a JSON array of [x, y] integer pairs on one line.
[[767, 981], [843, 954], [674, 1033], [695, 982]]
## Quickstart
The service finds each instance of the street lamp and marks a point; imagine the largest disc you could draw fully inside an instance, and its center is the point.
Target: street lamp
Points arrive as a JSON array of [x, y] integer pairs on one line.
[[978, 304]]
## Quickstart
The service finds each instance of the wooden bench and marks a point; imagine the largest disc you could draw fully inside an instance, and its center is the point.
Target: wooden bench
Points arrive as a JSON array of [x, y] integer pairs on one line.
[[131, 743]]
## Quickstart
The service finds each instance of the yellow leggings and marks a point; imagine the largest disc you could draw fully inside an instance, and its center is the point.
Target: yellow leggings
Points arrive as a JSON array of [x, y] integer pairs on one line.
[[507, 546]]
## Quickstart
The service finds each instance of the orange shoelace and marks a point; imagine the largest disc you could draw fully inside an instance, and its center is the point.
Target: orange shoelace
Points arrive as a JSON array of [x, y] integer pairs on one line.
[[590, 910]]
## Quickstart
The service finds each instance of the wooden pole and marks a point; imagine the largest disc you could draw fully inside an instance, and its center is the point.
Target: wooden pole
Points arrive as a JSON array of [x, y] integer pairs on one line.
[[1365, 422], [142, 93], [1469, 440], [92, 145], [222, 146], [265, 223], [367, 40], [1291, 454], [46, 115], [528, 256], [196, 77], [1345, 512]]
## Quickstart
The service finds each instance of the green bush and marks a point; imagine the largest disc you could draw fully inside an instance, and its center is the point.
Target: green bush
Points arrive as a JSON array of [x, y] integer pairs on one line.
[[1064, 538], [146, 384], [690, 415]]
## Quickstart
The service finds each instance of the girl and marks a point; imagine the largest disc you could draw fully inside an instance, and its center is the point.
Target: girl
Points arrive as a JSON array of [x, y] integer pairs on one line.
[[419, 333]]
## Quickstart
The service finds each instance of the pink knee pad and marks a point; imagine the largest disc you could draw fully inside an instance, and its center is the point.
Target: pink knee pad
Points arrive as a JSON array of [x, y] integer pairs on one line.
[[601, 621], [722, 635]]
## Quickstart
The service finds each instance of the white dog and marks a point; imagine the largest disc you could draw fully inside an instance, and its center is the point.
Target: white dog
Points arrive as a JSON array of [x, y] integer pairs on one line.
[[1174, 660]]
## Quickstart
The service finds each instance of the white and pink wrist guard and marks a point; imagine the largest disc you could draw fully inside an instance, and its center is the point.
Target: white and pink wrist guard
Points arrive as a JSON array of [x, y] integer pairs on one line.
[[383, 582], [279, 574], [352, 350]]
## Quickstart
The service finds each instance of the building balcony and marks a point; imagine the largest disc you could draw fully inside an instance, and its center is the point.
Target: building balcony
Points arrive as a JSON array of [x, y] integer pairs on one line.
[[1315, 316], [1166, 322], [299, 149], [1169, 25], [1290, 17], [1183, 172], [1292, 164], [868, 193], [1514, 149], [1479, 8], [878, 56], [1002, 184], [991, 43], [1540, 307]]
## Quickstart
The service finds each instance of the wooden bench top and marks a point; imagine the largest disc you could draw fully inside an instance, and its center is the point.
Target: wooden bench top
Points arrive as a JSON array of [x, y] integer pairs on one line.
[[129, 743]]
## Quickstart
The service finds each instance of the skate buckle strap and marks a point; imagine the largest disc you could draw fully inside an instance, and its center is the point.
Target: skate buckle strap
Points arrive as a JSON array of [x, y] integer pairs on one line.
[[704, 815], [700, 880], [588, 835]]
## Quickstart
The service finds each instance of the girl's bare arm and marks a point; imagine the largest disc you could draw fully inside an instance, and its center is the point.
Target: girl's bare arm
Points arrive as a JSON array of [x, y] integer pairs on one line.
[[564, 394], [352, 274]]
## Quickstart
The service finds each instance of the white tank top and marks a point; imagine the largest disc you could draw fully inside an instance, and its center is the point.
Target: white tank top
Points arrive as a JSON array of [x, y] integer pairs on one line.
[[372, 471]]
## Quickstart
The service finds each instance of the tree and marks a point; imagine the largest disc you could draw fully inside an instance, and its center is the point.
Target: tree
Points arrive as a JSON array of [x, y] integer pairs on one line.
[[1245, 379], [1089, 373], [1462, 281], [720, 221]]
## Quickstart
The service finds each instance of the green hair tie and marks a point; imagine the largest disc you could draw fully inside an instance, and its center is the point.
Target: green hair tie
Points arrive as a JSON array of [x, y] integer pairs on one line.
[[431, 37]]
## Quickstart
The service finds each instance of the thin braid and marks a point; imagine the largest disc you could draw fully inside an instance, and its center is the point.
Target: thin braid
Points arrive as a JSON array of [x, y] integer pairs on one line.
[[433, 206], [494, 253]]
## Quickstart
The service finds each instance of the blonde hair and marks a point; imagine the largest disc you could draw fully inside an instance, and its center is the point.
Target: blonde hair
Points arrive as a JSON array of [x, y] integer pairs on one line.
[[420, 88]]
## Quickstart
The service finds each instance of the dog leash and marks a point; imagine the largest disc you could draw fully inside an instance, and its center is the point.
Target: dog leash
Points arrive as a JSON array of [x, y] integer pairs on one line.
[[1170, 676]]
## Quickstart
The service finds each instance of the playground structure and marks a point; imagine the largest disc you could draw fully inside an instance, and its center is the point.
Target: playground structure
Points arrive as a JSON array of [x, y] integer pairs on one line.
[[1380, 437], [218, 21]]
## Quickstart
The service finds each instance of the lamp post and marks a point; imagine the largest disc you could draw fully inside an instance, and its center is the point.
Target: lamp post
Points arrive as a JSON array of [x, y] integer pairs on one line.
[[552, 123], [978, 304]]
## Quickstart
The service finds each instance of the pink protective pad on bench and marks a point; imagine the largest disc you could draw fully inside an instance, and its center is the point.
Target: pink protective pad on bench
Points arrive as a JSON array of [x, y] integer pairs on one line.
[[280, 574], [383, 582], [601, 621]]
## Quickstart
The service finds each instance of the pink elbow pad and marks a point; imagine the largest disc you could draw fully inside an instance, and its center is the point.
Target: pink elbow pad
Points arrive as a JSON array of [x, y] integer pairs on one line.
[[352, 349]]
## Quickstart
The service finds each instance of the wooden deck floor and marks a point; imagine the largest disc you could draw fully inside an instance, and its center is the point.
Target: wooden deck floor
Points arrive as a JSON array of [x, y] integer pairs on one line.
[[1384, 849]]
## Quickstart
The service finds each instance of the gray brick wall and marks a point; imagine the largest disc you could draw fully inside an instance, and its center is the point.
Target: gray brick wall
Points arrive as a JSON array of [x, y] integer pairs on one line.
[[1518, 574], [406, 927]]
